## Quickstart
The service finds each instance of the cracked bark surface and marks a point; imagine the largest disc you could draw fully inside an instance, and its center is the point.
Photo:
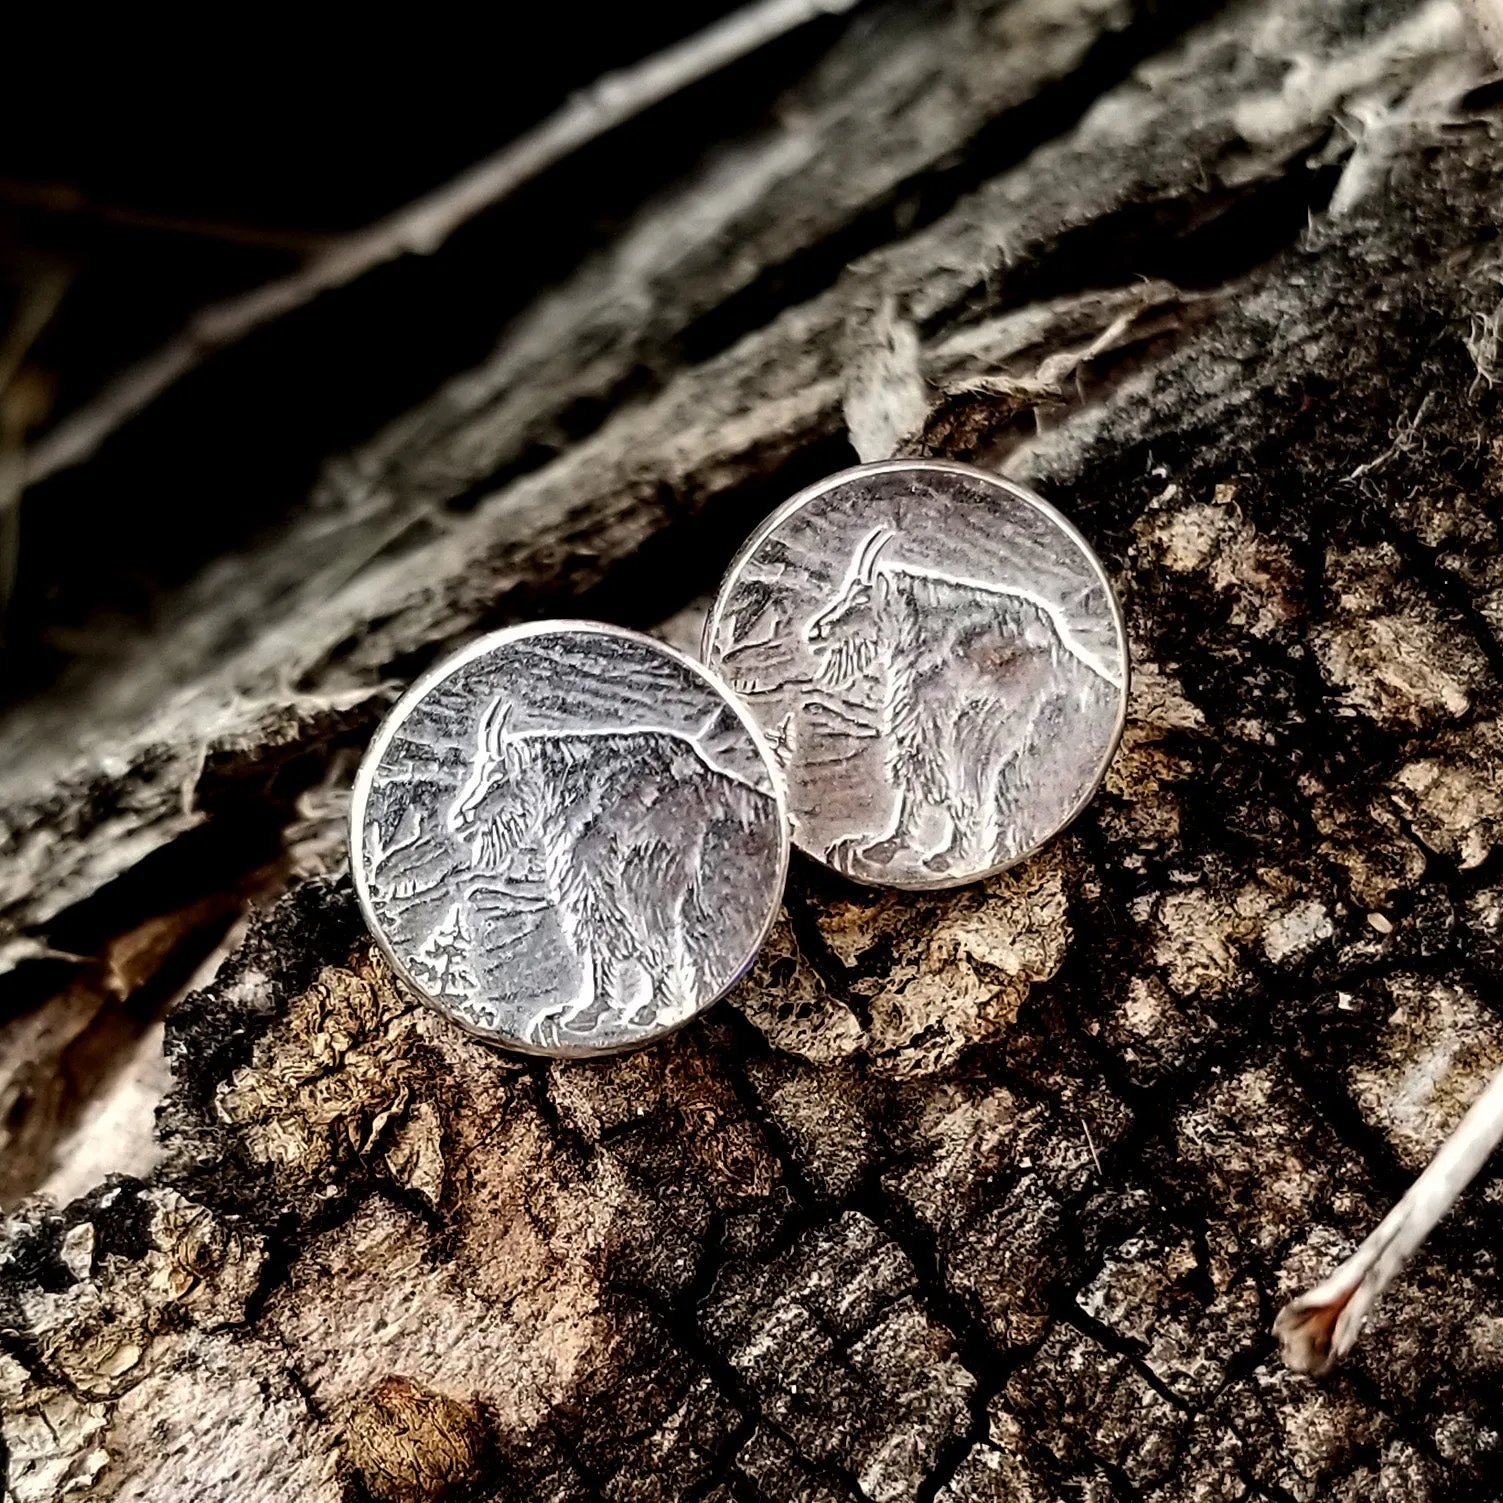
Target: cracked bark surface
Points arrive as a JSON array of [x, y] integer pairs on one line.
[[981, 1196]]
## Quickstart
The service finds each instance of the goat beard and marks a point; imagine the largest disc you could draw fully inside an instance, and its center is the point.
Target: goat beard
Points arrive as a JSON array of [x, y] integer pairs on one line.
[[846, 660], [494, 844]]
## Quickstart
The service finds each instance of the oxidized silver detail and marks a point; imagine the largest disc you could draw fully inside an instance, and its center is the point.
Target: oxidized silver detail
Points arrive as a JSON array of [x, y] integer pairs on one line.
[[569, 838], [938, 661]]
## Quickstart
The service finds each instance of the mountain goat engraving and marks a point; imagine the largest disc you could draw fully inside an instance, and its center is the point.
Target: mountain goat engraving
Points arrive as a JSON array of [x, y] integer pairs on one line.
[[628, 825], [974, 679]]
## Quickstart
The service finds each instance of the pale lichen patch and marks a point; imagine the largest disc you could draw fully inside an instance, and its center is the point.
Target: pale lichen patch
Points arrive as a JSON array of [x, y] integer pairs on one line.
[[102, 1336], [1200, 934], [97, 1332], [1203, 932], [415, 1158], [1143, 773], [222, 1410], [1453, 794], [1368, 842], [962, 978], [789, 1003], [337, 1079], [1156, 698], [1387, 648], [76, 1252], [853, 926], [952, 969], [1155, 1292], [1215, 541], [1246, 1139], [52, 1438], [1291, 934], [1438, 1052], [510, 1320]]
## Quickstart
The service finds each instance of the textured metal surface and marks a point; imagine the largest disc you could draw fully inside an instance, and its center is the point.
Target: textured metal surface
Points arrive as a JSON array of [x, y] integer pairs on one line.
[[938, 662], [569, 838]]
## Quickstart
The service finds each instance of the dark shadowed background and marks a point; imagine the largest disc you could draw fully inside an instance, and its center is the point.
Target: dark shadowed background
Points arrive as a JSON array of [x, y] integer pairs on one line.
[[150, 166]]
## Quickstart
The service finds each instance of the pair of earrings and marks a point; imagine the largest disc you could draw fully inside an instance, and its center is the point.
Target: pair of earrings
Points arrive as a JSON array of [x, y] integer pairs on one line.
[[571, 838]]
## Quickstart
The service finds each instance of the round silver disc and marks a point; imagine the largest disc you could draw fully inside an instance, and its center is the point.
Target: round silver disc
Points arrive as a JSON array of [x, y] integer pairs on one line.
[[938, 662], [569, 838]]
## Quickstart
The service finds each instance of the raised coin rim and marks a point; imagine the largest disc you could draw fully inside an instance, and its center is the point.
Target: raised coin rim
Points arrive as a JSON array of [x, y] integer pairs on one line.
[[397, 715], [812, 493]]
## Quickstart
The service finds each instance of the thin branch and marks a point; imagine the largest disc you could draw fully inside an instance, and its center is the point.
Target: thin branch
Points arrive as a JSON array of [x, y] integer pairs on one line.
[[58, 199], [1320, 1327], [23, 401], [39, 300], [425, 224]]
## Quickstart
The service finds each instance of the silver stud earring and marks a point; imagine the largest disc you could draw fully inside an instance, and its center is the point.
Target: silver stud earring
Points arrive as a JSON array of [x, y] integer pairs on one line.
[[938, 661], [569, 838]]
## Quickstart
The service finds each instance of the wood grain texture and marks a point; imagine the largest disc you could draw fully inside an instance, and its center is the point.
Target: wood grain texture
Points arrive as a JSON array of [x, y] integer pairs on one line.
[[248, 665], [978, 1196]]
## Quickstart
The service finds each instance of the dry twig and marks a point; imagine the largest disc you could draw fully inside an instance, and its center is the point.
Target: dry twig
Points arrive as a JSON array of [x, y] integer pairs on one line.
[[66, 201], [23, 401], [1320, 1327], [422, 226]]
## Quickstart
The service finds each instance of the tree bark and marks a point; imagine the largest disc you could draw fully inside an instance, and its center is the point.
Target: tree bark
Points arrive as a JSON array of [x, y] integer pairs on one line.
[[986, 1195]]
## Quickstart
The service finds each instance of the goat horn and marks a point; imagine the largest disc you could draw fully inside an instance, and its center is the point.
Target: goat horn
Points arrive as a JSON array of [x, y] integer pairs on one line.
[[493, 727], [866, 560]]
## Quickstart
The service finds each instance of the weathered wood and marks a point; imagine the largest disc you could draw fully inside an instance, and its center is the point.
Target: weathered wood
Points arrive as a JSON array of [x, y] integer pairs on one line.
[[990, 1195], [247, 668]]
